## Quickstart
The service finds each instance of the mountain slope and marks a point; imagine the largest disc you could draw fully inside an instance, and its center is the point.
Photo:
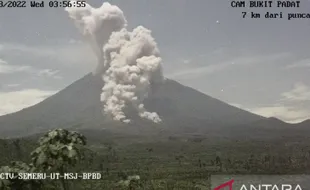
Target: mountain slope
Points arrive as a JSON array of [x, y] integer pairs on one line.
[[305, 123], [182, 109]]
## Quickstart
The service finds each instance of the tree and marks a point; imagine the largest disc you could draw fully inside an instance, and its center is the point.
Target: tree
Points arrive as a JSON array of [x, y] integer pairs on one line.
[[131, 183], [218, 162], [199, 162], [13, 182], [179, 159], [58, 150], [17, 146]]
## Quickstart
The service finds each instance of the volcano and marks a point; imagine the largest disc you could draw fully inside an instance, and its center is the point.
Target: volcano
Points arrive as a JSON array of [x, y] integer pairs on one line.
[[78, 106]]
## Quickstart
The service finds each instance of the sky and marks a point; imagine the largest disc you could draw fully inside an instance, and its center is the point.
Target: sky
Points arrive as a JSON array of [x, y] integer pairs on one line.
[[260, 65]]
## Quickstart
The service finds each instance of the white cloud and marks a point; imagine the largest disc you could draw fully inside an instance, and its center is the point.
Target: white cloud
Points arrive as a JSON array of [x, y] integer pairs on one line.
[[237, 105], [70, 52], [74, 41], [194, 72], [12, 85], [190, 71], [288, 109], [300, 64], [14, 101], [186, 61], [7, 69], [34, 50], [3, 62], [300, 92], [48, 73], [288, 114]]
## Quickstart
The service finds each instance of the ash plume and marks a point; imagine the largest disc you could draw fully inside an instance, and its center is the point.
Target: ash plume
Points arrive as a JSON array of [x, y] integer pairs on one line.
[[129, 62], [96, 25]]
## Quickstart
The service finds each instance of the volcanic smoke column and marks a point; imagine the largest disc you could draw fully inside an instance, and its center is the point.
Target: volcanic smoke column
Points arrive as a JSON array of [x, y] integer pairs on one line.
[[96, 25], [129, 62], [134, 65]]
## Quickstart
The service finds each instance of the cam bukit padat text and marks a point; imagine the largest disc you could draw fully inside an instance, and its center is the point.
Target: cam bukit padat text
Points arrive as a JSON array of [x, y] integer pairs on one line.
[[255, 4]]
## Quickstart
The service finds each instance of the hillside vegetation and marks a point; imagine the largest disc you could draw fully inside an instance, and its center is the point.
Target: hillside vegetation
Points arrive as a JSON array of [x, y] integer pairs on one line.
[[172, 162]]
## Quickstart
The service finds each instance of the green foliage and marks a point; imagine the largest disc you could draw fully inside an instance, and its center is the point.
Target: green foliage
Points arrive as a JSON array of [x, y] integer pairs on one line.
[[132, 182], [57, 149], [14, 182]]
